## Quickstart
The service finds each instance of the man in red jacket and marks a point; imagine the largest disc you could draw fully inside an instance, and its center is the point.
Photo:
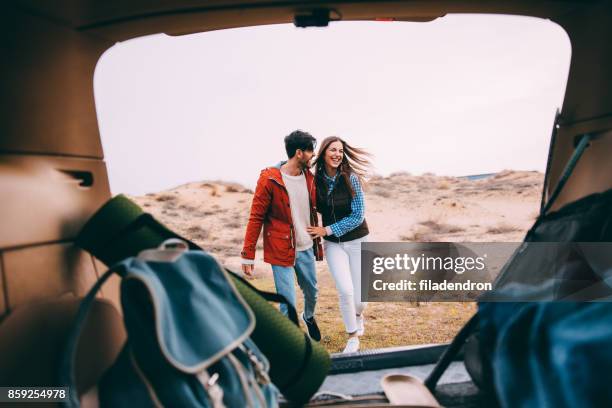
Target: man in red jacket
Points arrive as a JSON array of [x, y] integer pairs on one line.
[[284, 205]]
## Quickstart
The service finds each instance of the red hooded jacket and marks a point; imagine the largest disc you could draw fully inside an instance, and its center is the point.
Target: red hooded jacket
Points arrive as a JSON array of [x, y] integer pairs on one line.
[[271, 209]]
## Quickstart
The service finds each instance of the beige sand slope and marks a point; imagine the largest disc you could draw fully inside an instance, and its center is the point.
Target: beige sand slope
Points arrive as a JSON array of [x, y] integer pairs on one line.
[[400, 207]]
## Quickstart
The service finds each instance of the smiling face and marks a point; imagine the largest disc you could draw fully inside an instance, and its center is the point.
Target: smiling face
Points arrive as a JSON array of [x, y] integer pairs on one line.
[[334, 154]]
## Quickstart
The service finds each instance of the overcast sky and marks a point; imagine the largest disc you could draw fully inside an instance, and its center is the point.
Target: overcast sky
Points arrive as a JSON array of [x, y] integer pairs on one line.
[[464, 94]]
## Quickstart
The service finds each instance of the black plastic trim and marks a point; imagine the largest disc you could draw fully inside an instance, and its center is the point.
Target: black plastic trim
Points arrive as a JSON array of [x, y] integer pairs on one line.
[[392, 357]]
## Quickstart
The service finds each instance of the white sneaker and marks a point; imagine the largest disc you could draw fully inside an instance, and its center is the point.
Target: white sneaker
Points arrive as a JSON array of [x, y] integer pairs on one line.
[[352, 345], [360, 325]]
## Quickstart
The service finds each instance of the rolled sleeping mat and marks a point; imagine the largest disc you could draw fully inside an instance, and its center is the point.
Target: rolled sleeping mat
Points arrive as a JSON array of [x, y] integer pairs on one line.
[[121, 229]]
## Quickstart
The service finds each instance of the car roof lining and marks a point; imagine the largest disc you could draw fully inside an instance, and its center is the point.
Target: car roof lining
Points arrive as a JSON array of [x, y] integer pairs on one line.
[[110, 18]]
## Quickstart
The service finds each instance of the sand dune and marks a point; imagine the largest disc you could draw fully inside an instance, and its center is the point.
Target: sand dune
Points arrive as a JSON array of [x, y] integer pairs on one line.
[[400, 207]]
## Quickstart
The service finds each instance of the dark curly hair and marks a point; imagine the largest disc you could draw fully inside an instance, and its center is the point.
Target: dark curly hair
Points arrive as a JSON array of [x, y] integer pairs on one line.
[[299, 139]]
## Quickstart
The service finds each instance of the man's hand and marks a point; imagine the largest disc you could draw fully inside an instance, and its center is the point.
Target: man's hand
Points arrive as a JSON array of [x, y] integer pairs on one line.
[[316, 232], [248, 269]]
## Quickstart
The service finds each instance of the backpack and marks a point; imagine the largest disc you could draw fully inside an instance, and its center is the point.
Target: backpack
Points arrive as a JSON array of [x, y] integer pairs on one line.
[[546, 354], [506, 330], [188, 341], [298, 365]]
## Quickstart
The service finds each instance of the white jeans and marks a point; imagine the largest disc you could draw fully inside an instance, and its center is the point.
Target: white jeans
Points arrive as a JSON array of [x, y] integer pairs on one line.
[[344, 262]]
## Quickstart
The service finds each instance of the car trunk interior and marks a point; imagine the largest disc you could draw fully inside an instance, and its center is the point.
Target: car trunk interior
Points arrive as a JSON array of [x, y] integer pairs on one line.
[[53, 175]]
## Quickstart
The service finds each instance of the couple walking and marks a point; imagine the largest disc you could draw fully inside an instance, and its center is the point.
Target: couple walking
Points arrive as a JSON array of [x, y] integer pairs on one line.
[[286, 201]]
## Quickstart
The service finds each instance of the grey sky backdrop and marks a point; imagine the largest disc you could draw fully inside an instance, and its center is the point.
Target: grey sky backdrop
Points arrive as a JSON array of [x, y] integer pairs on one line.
[[464, 94]]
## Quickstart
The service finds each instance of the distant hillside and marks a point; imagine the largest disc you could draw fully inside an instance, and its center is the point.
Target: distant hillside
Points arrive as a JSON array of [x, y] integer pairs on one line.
[[399, 207]]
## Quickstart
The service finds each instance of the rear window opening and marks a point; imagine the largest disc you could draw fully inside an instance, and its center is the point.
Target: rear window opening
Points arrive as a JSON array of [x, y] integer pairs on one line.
[[457, 113]]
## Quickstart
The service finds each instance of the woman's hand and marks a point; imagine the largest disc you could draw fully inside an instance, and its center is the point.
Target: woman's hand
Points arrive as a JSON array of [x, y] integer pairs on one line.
[[316, 232]]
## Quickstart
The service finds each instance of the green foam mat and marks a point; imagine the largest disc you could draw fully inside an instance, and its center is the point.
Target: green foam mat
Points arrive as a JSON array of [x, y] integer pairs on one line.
[[121, 229]]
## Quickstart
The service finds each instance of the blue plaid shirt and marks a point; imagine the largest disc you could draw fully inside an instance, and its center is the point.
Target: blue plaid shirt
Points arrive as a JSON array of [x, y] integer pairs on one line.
[[357, 215]]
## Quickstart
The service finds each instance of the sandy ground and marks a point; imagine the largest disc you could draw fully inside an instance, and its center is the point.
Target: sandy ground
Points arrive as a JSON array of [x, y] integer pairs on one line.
[[400, 207]]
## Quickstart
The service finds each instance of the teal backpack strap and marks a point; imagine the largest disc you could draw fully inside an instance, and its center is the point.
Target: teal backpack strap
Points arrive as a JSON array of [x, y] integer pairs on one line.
[[451, 351], [67, 360], [270, 297]]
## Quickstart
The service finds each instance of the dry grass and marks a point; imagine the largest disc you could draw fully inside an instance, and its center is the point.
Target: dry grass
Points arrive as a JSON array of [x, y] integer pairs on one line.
[[239, 240], [430, 230], [187, 208], [205, 213], [380, 190], [214, 189], [438, 227], [443, 185], [196, 232], [387, 324], [503, 228], [406, 237], [399, 174], [233, 224], [165, 197], [419, 235]]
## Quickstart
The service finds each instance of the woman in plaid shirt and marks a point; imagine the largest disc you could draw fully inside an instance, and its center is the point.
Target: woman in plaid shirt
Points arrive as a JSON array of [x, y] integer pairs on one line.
[[339, 172]]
